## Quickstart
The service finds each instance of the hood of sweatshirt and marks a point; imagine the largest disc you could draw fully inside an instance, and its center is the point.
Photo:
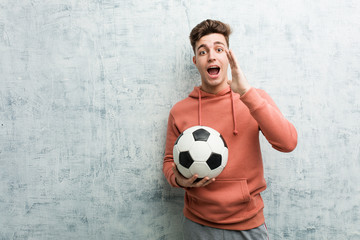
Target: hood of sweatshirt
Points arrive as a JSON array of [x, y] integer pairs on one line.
[[198, 94]]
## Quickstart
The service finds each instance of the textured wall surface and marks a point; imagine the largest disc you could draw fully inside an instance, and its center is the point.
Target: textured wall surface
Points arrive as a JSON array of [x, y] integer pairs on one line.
[[85, 91]]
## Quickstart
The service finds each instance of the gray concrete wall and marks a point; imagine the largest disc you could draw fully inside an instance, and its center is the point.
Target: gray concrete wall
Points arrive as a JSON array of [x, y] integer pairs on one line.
[[85, 91]]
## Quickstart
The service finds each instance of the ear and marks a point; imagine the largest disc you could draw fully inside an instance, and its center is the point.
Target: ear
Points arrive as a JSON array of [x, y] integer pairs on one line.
[[194, 60]]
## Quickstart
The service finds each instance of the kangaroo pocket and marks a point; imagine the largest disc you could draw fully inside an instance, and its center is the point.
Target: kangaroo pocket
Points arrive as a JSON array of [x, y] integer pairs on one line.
[[223, 201]]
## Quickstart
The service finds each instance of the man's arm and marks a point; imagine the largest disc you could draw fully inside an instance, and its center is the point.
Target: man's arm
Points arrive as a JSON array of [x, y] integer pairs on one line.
[[280, 133]]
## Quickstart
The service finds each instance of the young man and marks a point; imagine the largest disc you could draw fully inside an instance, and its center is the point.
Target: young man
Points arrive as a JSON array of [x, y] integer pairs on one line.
[[230, 205]]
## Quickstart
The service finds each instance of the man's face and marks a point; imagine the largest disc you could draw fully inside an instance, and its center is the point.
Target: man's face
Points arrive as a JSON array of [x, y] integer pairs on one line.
[[212, 62]]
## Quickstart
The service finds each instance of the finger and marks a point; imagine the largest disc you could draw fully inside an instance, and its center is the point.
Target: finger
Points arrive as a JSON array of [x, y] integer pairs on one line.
[[234, 59], [174, 168], [192, 179], [201, 182], [230, 58], [209, 181]]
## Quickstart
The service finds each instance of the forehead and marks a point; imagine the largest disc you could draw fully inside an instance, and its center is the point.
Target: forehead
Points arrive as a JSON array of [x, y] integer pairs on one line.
[[210, 40]]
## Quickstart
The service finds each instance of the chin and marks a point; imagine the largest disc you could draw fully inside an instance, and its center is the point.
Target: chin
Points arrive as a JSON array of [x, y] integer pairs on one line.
[[216, 81]]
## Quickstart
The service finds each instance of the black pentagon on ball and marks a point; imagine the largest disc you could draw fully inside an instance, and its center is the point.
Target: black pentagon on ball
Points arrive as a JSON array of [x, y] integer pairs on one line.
[[201, 135], [214, 161], [185, 159]]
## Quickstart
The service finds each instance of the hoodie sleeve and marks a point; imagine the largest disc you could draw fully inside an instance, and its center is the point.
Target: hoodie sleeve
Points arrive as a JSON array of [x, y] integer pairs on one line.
[[279, 132], [171, 136]]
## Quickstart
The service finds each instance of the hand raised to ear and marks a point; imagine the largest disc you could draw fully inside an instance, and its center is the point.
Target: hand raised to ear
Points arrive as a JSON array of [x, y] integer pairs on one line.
[[238, 83]]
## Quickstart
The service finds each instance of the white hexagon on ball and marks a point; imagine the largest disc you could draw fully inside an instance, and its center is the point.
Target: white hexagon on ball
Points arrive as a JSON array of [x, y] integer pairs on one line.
[[200, 151], [185, 142], [185, 171], [176, 153], [200, 168], [216, 144]]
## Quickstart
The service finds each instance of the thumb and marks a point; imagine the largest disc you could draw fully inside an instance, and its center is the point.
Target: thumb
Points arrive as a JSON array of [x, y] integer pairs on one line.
[[229, 82]]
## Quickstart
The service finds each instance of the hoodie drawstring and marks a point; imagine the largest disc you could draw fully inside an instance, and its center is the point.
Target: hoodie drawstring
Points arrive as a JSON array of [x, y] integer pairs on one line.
[[199, 114], [235, 132]]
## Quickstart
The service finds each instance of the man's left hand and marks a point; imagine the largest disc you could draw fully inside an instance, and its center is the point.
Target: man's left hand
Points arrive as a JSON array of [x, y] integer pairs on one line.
[[238, 84]]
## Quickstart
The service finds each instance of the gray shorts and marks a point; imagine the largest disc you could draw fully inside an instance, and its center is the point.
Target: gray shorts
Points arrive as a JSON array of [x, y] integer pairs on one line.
[[195, 231]]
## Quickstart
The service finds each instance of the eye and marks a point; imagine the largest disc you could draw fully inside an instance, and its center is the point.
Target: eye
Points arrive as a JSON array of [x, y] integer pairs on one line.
[[202, 52], [219, 50]]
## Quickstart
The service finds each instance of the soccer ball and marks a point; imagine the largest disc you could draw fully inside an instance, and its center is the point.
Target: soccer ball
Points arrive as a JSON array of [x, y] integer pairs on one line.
[[200, 150]]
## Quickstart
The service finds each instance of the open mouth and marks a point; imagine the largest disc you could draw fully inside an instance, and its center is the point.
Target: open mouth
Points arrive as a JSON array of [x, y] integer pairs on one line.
[[213, 71]]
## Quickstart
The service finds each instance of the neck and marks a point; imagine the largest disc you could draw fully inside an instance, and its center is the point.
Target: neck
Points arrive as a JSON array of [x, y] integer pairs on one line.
[[214, 89]]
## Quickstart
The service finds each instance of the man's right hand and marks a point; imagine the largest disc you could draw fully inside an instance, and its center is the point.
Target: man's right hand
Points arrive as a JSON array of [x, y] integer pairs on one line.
[[190, 182]]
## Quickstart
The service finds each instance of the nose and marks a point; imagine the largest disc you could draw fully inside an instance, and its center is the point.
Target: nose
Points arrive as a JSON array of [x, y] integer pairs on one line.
[[211, 55]]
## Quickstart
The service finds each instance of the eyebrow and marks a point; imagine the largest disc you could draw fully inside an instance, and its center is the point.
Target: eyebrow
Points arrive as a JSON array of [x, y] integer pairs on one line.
[[215, 43]]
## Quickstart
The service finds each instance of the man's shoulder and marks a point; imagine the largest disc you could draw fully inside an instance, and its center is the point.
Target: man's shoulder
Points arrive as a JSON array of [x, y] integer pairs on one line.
[[182, 103]]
